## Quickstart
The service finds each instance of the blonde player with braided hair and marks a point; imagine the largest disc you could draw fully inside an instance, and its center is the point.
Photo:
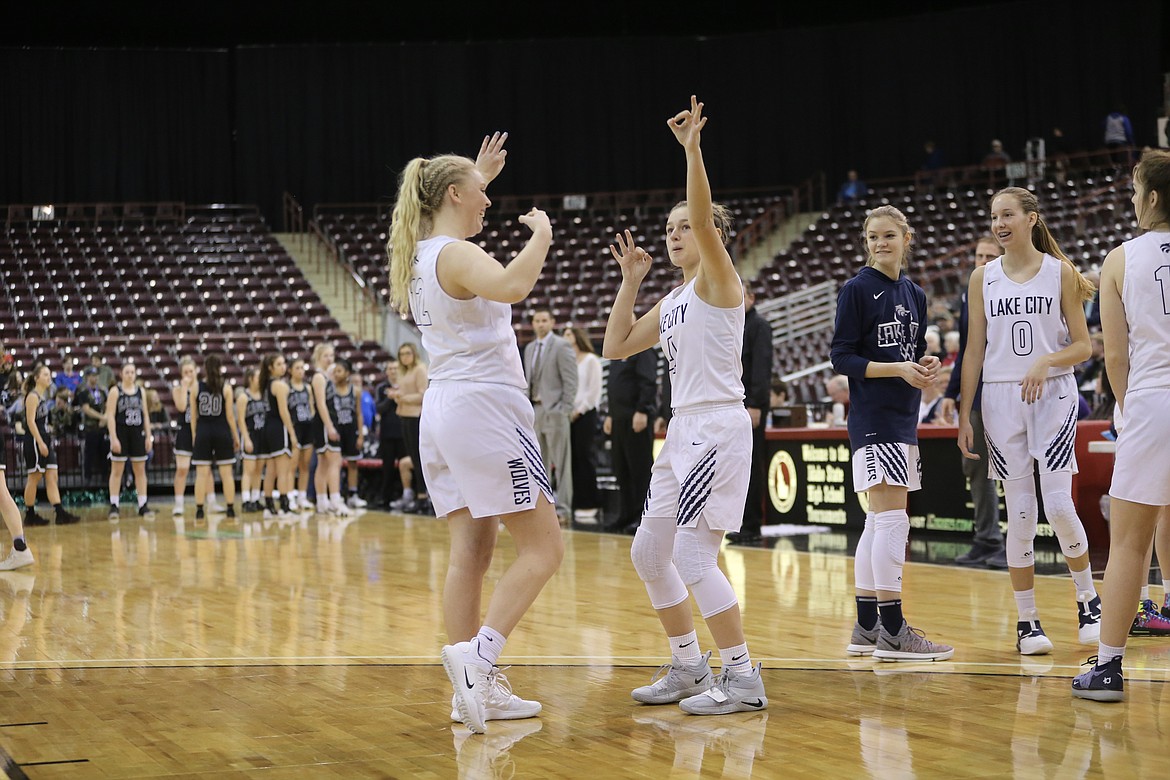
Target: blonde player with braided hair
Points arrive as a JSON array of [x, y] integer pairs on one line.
[[477, 442], [1026, 331]]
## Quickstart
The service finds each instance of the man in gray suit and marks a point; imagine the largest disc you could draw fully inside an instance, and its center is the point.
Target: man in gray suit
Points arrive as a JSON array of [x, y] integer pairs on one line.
[[551, 368]]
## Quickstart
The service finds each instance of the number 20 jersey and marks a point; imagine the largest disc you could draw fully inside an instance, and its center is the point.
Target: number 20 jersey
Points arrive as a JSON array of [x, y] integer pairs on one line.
[[467, 340], [1024, 321]]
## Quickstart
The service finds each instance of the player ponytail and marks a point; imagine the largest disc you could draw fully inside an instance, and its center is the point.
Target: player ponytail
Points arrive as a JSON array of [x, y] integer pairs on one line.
[[213, 370], [1043, 239], [422, 190], [30, 381]]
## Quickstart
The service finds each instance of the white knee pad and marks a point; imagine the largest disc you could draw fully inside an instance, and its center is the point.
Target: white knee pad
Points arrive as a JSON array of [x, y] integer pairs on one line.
[[651, 554], [696, 553], [863, 558], [890, 534], [1062, 513], [1023, 513]]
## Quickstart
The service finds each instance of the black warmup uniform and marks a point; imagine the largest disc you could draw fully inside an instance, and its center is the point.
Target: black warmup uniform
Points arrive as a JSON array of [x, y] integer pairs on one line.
[[184, 442], [213, 437], [300, 408], [256, 420], [275, 439], [34, 461], [130, 426], [343, 411]]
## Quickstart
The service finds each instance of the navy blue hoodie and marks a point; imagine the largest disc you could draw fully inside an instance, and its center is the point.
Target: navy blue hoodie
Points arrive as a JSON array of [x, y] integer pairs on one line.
[[885, 321]]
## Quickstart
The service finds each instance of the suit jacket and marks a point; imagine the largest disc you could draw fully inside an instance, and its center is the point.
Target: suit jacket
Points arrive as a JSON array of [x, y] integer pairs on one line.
[[555, 380]]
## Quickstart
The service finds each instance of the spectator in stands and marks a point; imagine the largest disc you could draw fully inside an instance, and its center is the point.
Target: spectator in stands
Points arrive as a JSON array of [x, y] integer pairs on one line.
[[91, 400], [632, 394], [478, 433], [778, 400], [988, 548], [63, 419], [159, 419], [1089, 372], [852, 189], [756, 357], [699, 325], [1118, 134], [583, 426], [930, 406], [1093, 305], [413, 379], [106, 376], [932, 164], [552, 385], [878, 344], [68, 377], [131, 439], [950, 347], [40, 456], [391, 447], [934, 343], [996, 159], [837, 388]]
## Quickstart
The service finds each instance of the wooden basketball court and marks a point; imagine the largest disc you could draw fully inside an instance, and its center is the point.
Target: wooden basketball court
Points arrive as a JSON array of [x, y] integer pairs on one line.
[[309, 648]]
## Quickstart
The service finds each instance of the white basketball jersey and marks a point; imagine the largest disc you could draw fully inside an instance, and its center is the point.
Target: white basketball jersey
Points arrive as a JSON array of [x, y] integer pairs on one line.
[[1146, 294], [702, 344], [468, 341], [1024, 321]]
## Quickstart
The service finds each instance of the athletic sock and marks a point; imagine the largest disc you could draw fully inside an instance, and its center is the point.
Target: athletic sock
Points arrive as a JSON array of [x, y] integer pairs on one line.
[[686, 647], [867, 612], [736, 659], [1106, 653], [141, 501], [1145, 595], [891, 615], [1025, 603], [486, 646], [179, 503], [19, 544], [1083, 579]]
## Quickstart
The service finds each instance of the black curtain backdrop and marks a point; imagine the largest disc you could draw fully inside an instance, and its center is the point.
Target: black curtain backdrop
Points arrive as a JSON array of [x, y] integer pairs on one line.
[[336, 123]]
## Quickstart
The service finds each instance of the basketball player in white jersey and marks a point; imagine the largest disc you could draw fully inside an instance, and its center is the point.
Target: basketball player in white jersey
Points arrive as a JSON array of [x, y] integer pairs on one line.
[[477, 442], [700, 480], [1026, 331], [1135, 318]]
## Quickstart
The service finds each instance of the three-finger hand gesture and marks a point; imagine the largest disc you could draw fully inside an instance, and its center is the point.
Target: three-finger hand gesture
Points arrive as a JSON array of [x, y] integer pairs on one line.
[[491, 158], [633, 259], [687, 124]]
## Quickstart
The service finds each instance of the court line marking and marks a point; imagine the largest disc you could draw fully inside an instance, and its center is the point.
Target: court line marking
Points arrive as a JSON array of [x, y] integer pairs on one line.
[[773, 663]]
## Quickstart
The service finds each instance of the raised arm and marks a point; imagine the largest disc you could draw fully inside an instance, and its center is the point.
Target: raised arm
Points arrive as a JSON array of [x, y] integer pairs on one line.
[[465, 270], [626, 334], [717, 282], [492, 156]]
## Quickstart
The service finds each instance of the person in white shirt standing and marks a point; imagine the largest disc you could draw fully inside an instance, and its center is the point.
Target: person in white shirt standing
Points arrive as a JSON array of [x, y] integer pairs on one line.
[[477, 438], [1135, 318]]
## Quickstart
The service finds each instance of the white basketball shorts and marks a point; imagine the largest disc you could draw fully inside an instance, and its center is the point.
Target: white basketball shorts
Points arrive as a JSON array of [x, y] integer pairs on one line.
[[1019, 432]]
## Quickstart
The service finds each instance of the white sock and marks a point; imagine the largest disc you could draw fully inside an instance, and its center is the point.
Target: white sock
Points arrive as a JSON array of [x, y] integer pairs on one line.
[[1105, 653], [1145, 593], [141, 501], [408, 495], [210, 496], [114, 499], [736, 659], [486, 646], [336, 499], [1165, 589], [1084, 581], [178, 502], [276, 495], [686, 647], [1026, 604]]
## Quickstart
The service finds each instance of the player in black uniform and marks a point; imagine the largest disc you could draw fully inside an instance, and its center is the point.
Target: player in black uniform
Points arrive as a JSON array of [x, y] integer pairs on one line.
[[253, 414], [879, 342], [303, 411], [280, 437], [346, 410], [213, 423], [130, 439], [39, 455], [181, 393]]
